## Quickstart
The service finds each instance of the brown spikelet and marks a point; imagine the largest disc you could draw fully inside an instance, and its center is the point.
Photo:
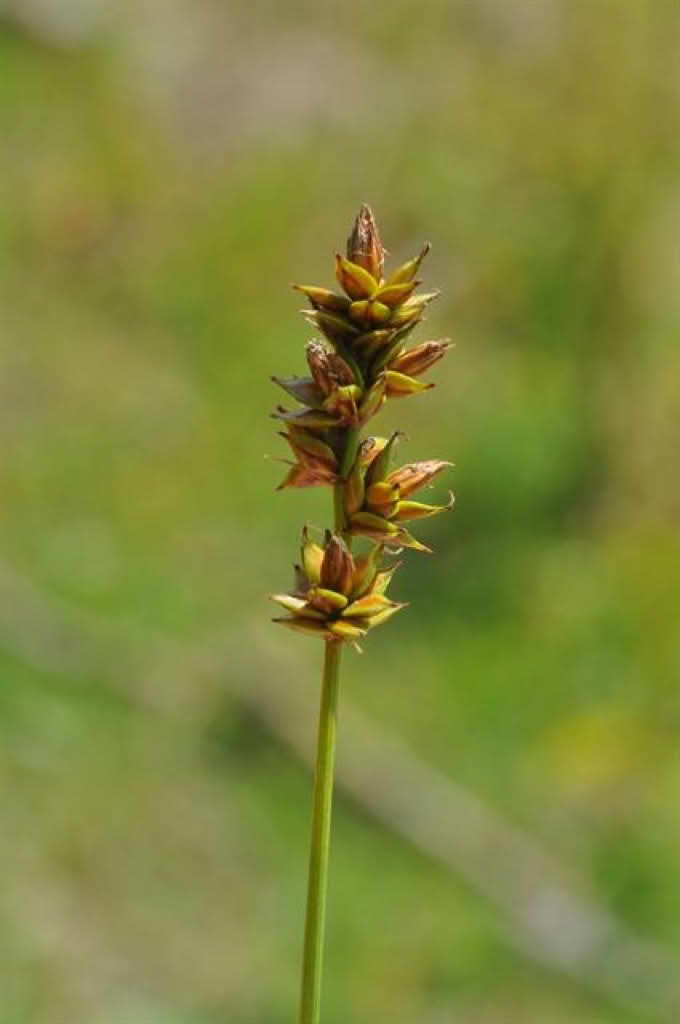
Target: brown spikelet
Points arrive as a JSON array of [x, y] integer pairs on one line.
[[361, 362]]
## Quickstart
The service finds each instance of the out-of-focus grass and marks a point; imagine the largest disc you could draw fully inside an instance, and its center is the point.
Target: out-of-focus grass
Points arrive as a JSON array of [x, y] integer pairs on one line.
[[152, 216]]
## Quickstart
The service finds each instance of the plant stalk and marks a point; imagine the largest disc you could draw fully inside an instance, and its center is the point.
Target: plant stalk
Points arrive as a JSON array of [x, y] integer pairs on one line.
[[312, 961], [317, 886]]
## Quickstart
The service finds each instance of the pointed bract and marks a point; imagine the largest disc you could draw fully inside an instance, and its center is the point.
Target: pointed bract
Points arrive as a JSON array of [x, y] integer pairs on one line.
[[312, 419], [381, 494], [383, 578], [370, 448], [310, 449], [373, 399], [398, 385], [337, 567], [407, 271], [337, 329], [357, 282], [417, 360], [411, 477], [385, 614], [364, 246], [311, 557], [297, 606], [379, 467], [407, 510], [412, 309], [328, 602], [345, 630], [302, 389], [306, 475], [368, 524], [322, 298], [406, 540], [365, 571], [366, 606], [354, 489], [310, 627], [393, 295]]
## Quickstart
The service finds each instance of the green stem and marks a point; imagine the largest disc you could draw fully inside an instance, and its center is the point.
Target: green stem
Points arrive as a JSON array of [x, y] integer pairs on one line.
[[352, 441], [312, 961], [317, 888]]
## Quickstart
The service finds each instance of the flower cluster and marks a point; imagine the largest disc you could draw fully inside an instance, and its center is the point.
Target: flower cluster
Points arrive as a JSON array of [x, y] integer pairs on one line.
[[377, 500], [337, 596], [361, 361]]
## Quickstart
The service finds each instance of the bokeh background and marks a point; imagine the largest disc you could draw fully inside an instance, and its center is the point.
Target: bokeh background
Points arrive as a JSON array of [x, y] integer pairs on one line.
[[507, 837]]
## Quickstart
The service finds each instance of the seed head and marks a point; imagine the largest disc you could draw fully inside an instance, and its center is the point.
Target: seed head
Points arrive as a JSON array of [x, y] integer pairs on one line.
[[359, 362], [335, 596]]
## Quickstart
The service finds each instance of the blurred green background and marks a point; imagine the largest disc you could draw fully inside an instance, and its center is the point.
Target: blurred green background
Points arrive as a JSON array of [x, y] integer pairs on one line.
[[167, 169]]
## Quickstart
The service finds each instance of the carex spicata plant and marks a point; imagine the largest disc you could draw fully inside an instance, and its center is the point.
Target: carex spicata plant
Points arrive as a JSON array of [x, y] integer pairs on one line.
[[361, 359]]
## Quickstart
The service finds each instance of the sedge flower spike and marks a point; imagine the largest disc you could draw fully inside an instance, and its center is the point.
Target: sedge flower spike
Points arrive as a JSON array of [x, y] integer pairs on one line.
[[360, 359]]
